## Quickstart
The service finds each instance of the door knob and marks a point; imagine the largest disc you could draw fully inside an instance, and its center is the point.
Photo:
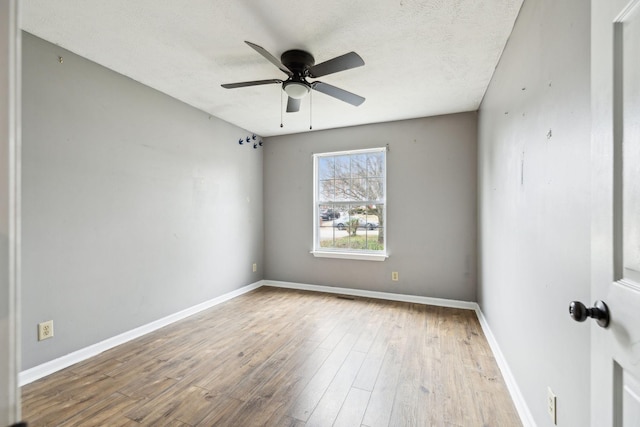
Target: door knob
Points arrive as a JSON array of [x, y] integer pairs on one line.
[[599, 311]]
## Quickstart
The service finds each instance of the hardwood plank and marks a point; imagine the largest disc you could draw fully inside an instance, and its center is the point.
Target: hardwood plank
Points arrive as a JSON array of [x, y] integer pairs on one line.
[[370, 329], [196, 404], [311, 395], [370, 369], [289, 422], [430, 370], [179, 401], [353, 409], [104, 412], [221, 411], [383, 394], [410, 397], [284, 358], [327, 409], [282, 391], [50, 411]]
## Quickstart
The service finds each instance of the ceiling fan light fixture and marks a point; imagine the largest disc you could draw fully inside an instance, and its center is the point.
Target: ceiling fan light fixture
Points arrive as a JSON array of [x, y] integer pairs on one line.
[[296, 90]]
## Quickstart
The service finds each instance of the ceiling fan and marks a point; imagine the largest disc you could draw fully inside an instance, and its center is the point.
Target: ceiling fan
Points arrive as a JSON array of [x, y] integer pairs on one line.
[[298, 65]]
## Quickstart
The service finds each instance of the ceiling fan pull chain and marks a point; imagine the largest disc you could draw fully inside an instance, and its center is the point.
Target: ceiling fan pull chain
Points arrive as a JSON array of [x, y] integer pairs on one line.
[[310, 109], [281, 107]]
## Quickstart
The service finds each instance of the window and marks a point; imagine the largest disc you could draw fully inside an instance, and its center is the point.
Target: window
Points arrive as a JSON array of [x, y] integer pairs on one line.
[[349, 204]]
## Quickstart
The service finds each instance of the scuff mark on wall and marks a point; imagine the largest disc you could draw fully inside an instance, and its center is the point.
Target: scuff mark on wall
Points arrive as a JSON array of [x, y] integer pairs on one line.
[[522, 169]]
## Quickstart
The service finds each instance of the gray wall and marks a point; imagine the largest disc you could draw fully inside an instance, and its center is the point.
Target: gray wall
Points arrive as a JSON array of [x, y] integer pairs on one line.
[[534, 222], [135, 206], [431, 208]]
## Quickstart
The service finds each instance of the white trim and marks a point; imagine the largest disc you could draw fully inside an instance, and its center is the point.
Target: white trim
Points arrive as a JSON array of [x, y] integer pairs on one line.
[[10, 217], [317, 251], [626, 12], [440, 302], [512, 385], [55, 365], [347, 152], [362, 256]]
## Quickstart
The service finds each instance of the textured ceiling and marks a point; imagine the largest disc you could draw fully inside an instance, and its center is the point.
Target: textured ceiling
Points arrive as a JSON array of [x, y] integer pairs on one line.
[[422, 58]]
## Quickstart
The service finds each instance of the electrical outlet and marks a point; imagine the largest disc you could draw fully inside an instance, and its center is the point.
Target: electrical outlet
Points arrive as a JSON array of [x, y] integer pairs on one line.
[[551, 405], [394, 276], [255, 267], [45, 330]]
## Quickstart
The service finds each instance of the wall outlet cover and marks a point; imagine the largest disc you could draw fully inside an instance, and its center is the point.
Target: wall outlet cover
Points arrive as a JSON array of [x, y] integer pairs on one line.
[[45, 330]]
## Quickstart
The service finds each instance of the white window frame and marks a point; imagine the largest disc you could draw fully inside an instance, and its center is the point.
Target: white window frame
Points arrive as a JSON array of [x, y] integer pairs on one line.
[[356, 254]]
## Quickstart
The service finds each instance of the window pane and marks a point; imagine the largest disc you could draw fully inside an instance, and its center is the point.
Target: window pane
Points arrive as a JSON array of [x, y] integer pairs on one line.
[[358, 189], [327, 192], [343, 190], [375, 189], [328, 214], [343, 167], [375, 165], [354, 225], [359, 165], [326, 166], [375, 227]]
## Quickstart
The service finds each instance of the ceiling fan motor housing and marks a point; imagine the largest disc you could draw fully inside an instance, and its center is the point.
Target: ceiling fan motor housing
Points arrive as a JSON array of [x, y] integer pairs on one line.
[[298, 61]]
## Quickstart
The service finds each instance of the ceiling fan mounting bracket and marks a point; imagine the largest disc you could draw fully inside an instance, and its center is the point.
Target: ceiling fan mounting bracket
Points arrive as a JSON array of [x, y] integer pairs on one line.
[[298, 61]]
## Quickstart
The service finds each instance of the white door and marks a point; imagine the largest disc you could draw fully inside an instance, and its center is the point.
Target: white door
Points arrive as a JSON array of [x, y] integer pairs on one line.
[[9, 196], [615, 271]]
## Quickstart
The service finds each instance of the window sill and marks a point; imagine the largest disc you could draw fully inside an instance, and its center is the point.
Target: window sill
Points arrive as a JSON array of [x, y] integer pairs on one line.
[[350, 255]]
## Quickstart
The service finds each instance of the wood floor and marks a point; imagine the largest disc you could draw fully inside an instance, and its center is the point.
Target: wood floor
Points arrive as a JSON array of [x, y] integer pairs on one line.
[[280, 357]]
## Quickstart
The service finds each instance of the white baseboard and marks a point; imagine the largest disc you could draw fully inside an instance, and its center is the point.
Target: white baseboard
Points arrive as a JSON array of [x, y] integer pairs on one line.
[[47, 368], [440, 302], [512, 386], [40, 371]]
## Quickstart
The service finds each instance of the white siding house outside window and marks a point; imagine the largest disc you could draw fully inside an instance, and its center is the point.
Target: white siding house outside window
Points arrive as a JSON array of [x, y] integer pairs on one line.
[[349, 204]]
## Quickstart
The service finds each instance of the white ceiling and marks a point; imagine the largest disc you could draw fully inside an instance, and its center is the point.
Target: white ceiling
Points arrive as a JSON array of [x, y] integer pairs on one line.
[[422, 57]]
